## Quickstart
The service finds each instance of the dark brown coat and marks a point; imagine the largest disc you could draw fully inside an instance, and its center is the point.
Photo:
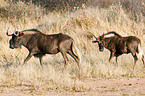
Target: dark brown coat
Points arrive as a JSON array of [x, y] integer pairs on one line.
[[119, 45], [40, 44]]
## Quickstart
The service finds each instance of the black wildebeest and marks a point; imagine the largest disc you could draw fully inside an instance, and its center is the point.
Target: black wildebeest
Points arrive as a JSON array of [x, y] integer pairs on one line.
[[119, 45], [40, 44]]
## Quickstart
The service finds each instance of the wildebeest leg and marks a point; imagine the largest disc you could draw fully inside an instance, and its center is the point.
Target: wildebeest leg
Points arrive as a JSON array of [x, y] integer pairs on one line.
[[143, 60], [116, 59], [41, 61], [27, 58], [111, 56], [135, 59], [65, 57], [117, 55], [71, 53]]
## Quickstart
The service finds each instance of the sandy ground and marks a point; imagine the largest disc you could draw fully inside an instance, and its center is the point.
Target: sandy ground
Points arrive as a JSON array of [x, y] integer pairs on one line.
[[113, 87]]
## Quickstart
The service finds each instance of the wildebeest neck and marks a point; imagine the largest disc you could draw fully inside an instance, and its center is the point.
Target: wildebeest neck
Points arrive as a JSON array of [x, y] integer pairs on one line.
[[107, 42]]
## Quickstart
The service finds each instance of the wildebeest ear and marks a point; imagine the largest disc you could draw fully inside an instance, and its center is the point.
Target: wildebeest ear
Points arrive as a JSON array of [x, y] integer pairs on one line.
[[94, 41]]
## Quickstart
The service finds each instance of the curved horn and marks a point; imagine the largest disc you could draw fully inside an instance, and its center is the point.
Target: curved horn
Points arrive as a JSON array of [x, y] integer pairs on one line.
[[103, 35], [8, 33], [94, 35], [16, 33]]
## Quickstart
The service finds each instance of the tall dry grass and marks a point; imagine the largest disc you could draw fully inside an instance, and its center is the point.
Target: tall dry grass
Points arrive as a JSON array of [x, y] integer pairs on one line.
[[76, 23]]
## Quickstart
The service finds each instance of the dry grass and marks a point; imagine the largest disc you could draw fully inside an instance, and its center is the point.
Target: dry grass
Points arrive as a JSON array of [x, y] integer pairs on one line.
[[76, 23]]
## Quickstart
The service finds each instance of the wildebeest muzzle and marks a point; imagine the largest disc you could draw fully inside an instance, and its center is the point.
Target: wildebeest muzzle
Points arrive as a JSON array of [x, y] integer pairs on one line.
[[13, 45], [101, 47]]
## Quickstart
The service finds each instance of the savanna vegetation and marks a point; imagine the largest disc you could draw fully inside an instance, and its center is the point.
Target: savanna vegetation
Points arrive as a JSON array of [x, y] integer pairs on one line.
[[76, 18]]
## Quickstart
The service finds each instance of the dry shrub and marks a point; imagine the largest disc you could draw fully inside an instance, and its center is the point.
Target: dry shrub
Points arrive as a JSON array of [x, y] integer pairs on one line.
[[55, 4], [21, 11]]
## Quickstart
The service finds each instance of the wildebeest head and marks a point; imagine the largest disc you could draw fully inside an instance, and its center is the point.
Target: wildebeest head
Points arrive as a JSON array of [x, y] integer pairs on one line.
[[16, 40], [100, 41]]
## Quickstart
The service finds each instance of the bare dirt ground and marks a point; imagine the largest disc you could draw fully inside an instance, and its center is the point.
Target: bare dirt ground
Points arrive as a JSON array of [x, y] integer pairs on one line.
[[113, 87]]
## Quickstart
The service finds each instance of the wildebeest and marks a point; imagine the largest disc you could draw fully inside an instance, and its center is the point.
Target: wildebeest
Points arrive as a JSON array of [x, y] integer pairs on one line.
[[119, 45], [40, 44]]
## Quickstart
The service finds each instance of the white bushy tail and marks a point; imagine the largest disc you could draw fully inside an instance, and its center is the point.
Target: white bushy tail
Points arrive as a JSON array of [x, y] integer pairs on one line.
[[141, 55], [140, 52]]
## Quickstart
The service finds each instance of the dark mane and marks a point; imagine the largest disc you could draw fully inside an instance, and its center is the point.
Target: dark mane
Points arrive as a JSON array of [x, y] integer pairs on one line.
[[36, 30], [112, 32]]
